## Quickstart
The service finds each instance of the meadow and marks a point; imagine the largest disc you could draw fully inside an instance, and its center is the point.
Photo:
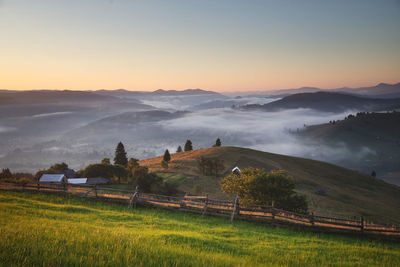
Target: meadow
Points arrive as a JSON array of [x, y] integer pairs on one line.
[[349, 194], [51, 230]]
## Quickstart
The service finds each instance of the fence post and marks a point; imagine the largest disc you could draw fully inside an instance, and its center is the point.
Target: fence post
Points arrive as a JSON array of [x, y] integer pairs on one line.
[[38, 186], [238, 207], [312, 218], [182, 204], [95, 190], [273, 210], [205, 205], [362, 224], [234, 208], [136, 196], [133, 198]]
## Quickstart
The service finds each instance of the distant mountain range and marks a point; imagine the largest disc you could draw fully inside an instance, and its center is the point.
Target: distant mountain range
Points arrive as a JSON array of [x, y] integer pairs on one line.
[[71, 96], [328, 102], [160, 92], [55, 97], [382, 90]]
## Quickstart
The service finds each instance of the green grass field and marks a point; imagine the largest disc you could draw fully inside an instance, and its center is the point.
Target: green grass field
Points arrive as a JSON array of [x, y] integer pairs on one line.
[[50, 230]]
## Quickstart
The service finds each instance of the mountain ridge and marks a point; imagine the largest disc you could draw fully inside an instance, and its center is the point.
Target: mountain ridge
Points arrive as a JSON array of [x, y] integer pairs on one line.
[[381, 89], [328, 102]]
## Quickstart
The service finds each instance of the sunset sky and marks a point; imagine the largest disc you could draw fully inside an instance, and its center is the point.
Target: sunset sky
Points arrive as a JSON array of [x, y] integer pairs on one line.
[[221, 45]]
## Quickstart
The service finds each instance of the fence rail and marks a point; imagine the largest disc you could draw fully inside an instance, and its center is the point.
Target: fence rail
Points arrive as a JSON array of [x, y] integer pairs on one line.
[[206, 206]]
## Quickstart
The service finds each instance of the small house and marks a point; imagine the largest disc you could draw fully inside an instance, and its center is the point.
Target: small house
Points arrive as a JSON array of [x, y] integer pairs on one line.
[[53, 178], [236, 171]]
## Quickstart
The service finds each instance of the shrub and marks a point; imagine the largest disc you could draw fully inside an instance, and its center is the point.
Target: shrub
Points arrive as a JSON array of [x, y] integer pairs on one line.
[[255, 186]]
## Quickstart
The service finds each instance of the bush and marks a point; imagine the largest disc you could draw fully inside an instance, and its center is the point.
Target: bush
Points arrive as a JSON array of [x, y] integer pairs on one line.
[[147, 182], [255, 186]]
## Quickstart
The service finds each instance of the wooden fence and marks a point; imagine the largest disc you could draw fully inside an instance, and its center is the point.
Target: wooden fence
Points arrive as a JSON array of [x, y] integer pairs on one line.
[[207, 206]]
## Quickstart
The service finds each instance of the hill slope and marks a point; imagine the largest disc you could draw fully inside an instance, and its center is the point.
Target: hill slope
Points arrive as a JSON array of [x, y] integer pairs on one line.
[[328, 102], [379, 132], [382, 90], [348, 193]]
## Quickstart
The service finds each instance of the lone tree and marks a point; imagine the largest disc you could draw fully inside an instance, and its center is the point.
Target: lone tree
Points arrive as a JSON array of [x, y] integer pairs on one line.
[[120, 155], [255, 186], [179, 149], [188, 145], [217, 143], [167, 156], [373, 174]]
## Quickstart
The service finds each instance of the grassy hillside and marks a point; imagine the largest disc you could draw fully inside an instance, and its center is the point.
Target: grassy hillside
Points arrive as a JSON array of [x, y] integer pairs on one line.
[[47, 230], [348, 193], [379, 132]]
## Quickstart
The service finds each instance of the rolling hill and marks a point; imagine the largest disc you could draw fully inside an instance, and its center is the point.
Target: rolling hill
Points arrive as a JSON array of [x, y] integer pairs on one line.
[[55, 97], [379, 132], [381, 90], [328, 102], [348, 193]]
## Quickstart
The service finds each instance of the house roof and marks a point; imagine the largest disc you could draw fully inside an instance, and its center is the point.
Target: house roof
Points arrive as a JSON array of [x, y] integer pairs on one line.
[[98, 180], [77, 180], [51, 178]]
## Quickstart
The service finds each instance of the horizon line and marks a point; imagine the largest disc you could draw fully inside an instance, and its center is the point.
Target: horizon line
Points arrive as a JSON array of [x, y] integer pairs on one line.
[[182, 90]]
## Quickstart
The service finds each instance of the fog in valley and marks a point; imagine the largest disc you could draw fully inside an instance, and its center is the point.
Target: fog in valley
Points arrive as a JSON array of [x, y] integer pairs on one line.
[[35, 136]]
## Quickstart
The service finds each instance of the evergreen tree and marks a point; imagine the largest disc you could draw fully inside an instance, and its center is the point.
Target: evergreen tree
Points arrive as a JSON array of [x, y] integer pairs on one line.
[[373, 174], [218, 142], [120, 155], [167, 156], [188, 145], [179, 149]]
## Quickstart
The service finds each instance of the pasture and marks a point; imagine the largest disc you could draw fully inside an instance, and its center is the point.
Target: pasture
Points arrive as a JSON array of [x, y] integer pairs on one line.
[[51, 230]]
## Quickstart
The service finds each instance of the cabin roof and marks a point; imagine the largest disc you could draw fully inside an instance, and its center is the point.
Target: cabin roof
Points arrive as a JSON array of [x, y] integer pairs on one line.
[[77, 180], [98, 180], [52, 178]]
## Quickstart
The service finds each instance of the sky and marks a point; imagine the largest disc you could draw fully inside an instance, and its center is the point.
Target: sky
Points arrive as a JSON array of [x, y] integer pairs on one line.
[[220, 45]]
